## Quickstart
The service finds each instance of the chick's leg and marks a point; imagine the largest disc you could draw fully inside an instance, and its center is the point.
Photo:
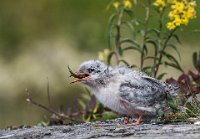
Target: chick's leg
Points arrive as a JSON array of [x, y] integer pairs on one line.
[[138, 120]]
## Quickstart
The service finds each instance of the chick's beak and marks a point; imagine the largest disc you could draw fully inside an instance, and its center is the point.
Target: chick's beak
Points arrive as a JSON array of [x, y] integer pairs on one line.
[[80, 77]]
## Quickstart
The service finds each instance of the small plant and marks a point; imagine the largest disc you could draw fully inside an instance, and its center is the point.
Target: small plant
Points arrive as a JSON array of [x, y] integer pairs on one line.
[[129, 31], [189, 95], [89, 107]]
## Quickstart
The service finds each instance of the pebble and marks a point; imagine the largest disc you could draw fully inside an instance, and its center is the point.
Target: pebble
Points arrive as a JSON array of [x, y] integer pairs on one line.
[[197, 123]]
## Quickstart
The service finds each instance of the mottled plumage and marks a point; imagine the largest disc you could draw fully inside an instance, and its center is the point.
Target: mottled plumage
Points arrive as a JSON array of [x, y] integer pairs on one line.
[[124, 90]]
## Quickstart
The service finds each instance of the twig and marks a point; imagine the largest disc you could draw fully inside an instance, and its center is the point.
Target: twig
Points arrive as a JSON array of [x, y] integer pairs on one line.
[[61, 115], [48, 92]]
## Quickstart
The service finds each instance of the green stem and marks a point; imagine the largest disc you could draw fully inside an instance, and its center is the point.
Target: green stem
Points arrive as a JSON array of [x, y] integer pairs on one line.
[[161, 55], [146, 21], [159, 42], [118, 35]]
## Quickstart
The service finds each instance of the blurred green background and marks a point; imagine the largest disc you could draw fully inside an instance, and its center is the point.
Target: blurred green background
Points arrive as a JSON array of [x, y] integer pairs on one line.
[[39, 38]]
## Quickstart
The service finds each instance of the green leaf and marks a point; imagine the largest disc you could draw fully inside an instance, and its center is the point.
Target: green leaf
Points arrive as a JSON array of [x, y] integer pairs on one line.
[[95, 109], [146, 38], [86, 97], [112, 18], [88, 118], [129, 12], [129, 24], [156, 31], [120, 51], [94, 116], [109, 4], [132, 48], [176, 38], [146, 68], [161, 76], [43, 123], [133, 66], [151, 57], [145, 49], [109, 115], [110, 57], [88, 92], [125, 62], [175, 48], [82, 104], [174, 66], [154, 43], [194, 59], [110, 34], [127, 40], [111, 27], [172, 103], [175, 63]]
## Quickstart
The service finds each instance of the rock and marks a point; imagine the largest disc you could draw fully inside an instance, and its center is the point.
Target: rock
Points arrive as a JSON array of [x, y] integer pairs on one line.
[[107, 129]]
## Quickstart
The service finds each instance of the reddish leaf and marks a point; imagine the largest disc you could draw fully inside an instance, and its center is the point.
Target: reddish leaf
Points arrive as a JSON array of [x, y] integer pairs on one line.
[[93, 102], [195, 77], [198, 64], [184, 78], [171, 81]]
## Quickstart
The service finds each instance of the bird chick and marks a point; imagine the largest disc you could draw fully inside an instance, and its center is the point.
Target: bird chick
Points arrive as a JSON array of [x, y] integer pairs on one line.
[[124, 90]]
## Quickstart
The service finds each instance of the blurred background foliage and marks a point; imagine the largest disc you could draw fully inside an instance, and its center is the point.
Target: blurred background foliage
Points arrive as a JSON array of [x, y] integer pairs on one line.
[[38, 39]]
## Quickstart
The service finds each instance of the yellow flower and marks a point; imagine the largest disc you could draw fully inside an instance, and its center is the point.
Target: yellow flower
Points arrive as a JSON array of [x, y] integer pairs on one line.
[[182, 11], [178, 7], [127, 4], [171, 15], [171, 26], [116, 4], [160, 3], [185, 21], [191, 13], [177, 20], [104, 55]]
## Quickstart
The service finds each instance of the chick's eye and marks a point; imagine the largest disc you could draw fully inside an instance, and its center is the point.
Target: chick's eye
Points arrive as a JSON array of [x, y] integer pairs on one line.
[[90, 70]]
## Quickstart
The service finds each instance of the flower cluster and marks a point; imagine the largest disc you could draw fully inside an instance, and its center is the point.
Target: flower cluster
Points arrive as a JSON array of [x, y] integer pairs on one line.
[[125, 3], [181, 12], [160, 3], [104, 55]]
